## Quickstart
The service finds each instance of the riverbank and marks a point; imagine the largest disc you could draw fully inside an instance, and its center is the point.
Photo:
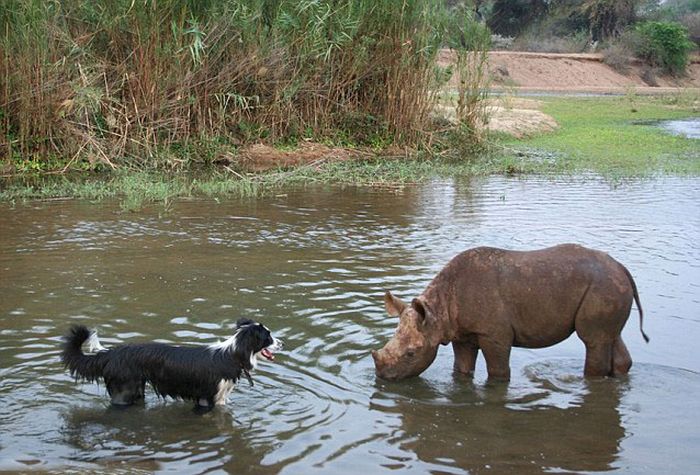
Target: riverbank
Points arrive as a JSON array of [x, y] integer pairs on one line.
[[611, 136]]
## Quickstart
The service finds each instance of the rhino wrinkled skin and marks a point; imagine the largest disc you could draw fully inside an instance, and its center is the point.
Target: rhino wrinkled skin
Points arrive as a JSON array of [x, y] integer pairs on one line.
[[492, 299]]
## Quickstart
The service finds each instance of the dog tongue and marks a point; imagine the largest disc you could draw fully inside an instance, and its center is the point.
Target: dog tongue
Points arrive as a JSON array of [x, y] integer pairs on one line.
[[267, 354]]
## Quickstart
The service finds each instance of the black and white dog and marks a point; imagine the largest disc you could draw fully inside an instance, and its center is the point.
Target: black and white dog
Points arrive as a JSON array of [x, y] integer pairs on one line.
[[202, 374]]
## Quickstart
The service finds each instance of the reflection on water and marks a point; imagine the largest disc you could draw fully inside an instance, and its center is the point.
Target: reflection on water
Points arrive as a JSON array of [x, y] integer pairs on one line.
[[313, 266], [486, 433], [152, 439]]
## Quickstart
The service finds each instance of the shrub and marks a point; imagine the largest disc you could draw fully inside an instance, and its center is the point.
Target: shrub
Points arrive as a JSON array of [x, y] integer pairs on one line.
[[499, 42], [664, 45], [533, 41], [619, 53]]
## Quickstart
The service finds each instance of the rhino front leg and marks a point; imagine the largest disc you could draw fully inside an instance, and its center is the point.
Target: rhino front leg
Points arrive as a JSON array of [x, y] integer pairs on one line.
[[465, 357], [497, 356]]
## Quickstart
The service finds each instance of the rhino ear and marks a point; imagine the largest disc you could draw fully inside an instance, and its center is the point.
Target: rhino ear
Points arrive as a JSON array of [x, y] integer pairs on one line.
[[394, 306], [422, 310]]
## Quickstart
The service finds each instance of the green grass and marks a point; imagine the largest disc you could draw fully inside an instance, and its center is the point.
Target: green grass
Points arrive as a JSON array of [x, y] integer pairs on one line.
[[136, 189], [132, 189], [603, 135]]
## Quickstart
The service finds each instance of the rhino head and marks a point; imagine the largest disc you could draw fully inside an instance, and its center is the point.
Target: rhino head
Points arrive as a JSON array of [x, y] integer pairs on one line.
[[415, 343]]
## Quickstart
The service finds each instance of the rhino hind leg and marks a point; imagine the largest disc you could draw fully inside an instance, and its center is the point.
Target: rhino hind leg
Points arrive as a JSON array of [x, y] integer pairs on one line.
[[598, 322], [599, 358], [621, 360]]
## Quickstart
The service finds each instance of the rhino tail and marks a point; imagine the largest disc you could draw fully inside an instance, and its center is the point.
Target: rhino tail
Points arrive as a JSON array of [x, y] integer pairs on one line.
[[639, 305]]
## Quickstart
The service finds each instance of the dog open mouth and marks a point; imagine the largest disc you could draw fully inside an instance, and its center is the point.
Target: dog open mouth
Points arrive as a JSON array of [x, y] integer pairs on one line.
[[267, 354]]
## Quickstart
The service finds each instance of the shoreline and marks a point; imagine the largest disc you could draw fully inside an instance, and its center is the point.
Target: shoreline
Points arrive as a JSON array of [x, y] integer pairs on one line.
[[606, 135]]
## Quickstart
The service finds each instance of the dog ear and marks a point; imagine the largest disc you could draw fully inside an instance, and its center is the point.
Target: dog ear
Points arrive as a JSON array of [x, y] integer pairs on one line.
[[243, 322]]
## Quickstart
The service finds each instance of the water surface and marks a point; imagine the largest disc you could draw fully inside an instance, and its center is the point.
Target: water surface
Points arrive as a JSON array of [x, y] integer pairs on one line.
[[689, 128], [313, 265]]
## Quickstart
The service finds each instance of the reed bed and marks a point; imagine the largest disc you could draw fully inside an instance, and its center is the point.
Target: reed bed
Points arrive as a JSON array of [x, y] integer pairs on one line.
[[171, 83]]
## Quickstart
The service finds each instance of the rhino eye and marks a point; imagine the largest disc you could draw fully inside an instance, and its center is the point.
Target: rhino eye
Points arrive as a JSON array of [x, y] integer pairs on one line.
[[410, 353]]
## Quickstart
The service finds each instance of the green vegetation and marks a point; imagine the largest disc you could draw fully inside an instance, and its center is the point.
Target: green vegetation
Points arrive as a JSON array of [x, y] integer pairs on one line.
[[133, 189], [151, 100], [576, 26], [665, 45], [611, 136], [615, 137], [141, 84], [136, 189]]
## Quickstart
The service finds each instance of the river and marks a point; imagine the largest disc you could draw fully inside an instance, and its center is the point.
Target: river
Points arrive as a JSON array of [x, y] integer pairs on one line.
[[312, 265]]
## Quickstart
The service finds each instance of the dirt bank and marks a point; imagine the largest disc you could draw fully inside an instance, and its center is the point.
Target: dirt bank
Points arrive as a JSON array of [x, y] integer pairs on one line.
[[516, 116], [570, 73]]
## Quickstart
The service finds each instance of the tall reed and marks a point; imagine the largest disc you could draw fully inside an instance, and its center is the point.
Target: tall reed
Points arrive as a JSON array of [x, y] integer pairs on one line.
[[471, 41], [117, 81]]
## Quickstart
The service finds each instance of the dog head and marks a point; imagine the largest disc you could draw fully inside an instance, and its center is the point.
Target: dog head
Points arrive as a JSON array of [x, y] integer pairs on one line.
[[253, 339]]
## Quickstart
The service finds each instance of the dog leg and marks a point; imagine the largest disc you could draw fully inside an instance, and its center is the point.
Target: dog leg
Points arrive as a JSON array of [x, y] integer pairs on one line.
[[204, 402], [224, 388], [125, 393], [203, 405]]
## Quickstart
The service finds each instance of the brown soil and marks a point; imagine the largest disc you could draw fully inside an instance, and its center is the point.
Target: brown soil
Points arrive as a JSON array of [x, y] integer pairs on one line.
[[260, 157], [576, 73], [518, 117]]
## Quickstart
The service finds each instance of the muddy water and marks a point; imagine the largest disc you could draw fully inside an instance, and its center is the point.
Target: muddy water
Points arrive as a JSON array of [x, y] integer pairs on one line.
[[312, 266]]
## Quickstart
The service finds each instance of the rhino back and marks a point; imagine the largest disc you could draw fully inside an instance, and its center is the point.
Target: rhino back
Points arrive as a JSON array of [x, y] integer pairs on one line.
[[533, 294]]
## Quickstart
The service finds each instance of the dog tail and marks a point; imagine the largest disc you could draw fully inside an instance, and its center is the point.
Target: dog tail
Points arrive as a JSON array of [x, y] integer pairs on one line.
[[80, 365]]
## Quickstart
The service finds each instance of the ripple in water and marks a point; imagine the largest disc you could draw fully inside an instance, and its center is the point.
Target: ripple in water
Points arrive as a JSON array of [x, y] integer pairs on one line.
[[313, 267]]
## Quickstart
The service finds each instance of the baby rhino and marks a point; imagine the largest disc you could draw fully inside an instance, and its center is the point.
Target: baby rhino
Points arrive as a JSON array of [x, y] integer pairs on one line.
[[491, 300]]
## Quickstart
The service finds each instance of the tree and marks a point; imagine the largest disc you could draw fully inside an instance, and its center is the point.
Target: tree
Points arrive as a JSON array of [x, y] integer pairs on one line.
[[510, 17], [609, 18]]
